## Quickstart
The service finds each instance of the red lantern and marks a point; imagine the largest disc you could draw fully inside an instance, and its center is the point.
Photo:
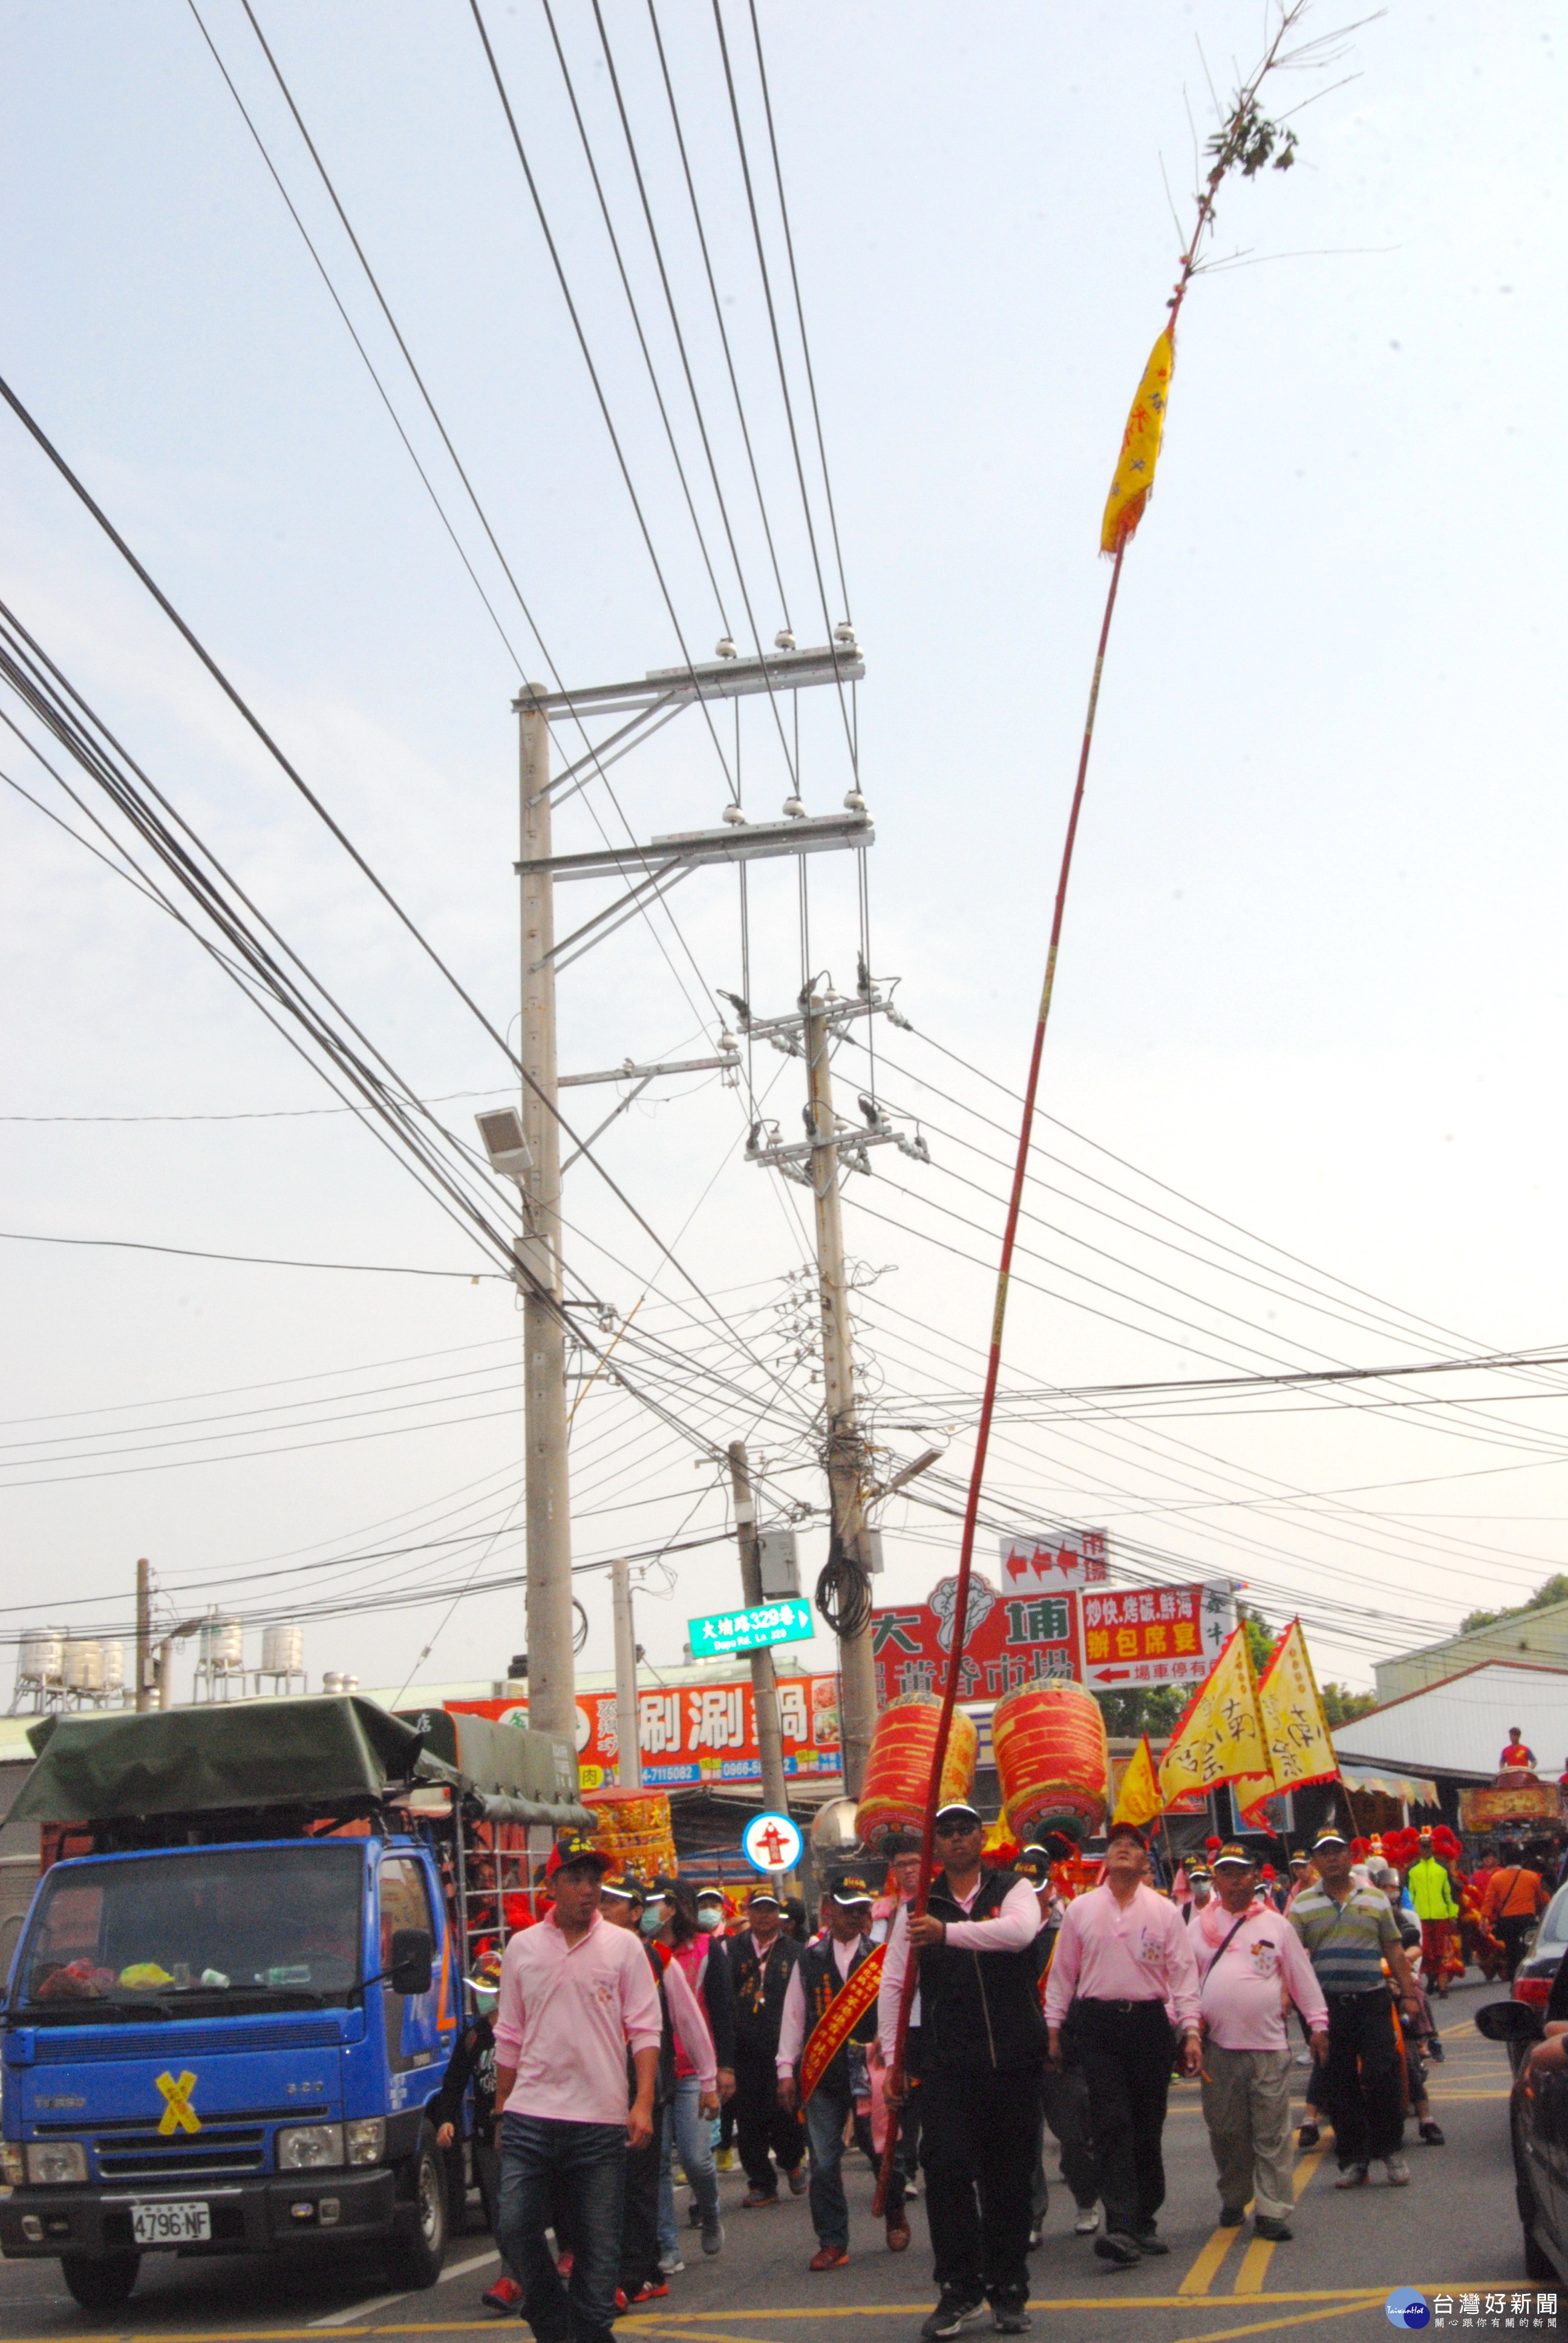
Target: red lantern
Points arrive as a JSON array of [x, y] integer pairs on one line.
[[899, 1766], [1051, 1759]]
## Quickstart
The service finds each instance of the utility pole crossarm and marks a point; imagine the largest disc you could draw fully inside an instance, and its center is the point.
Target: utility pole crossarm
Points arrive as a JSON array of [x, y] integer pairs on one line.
[[720, 678], [741, 842]]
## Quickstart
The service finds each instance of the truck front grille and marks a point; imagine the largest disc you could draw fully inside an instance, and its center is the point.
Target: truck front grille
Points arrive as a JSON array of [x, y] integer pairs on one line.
[[219, 2149]]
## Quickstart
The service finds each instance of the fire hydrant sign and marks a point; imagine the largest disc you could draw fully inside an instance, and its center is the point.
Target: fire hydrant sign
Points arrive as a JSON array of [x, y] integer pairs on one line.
[[771, 1842], [724, 1632]]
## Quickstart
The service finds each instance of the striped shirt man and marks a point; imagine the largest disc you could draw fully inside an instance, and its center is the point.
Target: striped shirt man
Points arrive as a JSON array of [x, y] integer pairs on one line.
[[1345, 1941]]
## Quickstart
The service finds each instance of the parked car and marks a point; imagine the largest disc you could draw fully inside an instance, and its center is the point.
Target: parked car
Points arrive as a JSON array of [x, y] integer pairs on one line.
[[1540, 1966], [1538, 2122]]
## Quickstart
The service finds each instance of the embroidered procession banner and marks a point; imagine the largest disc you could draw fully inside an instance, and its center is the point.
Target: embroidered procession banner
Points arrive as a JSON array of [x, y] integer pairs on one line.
[[838, 2021]]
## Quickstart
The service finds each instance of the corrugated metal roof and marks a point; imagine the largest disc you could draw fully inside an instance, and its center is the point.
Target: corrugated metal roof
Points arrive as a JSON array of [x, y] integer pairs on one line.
[[1459, 1727]]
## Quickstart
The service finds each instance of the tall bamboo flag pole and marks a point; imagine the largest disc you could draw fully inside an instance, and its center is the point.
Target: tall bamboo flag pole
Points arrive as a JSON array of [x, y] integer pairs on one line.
[[1246, 141]]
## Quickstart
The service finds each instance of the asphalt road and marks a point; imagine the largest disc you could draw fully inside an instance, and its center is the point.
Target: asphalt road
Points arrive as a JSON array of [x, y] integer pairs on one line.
[[1453, 2230]]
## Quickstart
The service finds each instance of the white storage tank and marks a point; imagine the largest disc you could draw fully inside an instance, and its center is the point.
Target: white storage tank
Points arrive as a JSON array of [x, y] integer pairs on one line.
[[283, 1650], [220, 1646], [84, 1665], [41, 1659], [114, 1666]]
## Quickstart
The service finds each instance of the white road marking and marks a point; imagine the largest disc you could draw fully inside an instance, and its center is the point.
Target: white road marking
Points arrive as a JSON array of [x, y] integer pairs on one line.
[[359, 2310]]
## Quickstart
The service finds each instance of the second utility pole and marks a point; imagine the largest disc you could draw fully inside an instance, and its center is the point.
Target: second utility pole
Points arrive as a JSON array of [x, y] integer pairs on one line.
[[552, 1705], [857, 1675], [764, 1682]]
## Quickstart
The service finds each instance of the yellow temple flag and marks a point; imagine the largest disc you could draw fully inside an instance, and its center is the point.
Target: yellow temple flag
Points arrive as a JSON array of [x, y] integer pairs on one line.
[[1221, 1737], [1139, 1799], [1297, 1742], [1140, 448]]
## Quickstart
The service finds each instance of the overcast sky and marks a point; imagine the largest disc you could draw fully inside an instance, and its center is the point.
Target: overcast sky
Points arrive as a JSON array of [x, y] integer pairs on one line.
[[1313, 977]]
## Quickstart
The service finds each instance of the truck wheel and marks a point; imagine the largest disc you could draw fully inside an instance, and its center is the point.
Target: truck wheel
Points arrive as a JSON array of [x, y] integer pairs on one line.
[[104, 2285], [415, 2254]]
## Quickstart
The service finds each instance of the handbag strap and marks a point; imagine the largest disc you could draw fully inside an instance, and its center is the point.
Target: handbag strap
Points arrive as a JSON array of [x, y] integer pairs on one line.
[[1235, 1932]]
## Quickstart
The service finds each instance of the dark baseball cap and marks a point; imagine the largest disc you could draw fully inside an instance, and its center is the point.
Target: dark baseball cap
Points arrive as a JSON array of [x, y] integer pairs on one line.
[[577, 1847], [1234, 1854], [852, 1889], [958, 1814]]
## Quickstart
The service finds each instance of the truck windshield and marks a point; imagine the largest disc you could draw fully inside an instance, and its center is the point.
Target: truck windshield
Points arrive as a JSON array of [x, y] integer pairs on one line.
[[230, 1923]]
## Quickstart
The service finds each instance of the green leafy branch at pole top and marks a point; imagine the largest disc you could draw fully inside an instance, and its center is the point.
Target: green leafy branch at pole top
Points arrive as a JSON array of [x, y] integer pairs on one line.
[[1247, 142]]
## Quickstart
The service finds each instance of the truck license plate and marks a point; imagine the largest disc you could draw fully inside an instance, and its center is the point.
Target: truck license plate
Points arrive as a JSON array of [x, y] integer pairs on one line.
[[171, 2225]]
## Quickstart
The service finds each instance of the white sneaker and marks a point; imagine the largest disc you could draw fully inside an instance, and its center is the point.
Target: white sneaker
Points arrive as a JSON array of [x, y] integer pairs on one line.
[[670, 2264], [1088, 2221], [1398, 2172]]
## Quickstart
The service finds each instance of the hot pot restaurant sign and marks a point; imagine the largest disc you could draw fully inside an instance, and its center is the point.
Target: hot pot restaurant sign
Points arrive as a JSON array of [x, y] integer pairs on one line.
[[696, 1732], [1109, 1639]]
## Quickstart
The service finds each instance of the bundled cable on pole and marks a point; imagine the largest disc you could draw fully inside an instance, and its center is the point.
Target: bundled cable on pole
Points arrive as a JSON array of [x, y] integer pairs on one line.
[[1246, 141]]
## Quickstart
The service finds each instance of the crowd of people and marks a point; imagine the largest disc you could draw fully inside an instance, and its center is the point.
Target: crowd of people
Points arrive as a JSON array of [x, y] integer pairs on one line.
[[616, 2042]]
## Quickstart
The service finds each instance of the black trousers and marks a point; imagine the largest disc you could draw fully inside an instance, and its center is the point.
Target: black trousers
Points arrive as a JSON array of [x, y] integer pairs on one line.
[[976, 2151], [1361, 2077], [1126, 2049], [639, 2217], [1515, 1935], [1065, 2107], [762, 2125]]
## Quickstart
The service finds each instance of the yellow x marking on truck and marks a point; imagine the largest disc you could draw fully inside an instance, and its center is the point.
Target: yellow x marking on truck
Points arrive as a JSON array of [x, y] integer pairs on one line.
[[179, 2114]]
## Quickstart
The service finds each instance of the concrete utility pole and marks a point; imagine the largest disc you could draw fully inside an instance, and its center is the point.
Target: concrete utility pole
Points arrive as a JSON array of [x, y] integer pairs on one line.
[[552, 1686], [144, 1634], [845, 1455], [764, 1683], [628, 1759]]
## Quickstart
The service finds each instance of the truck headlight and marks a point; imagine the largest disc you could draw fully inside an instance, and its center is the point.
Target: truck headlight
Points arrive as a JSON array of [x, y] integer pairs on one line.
[[366, 2140], [309, 2147], [13, 2163], [56, 2162]]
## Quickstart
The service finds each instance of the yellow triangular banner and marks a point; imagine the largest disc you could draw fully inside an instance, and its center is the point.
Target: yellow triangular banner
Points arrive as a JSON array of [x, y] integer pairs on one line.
[[1140, 448], [1139, 1799], [1297, 1743], [1221, 1738]]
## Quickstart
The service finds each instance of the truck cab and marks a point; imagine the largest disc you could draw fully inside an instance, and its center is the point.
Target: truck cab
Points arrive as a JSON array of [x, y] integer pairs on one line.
[[226, 2040]]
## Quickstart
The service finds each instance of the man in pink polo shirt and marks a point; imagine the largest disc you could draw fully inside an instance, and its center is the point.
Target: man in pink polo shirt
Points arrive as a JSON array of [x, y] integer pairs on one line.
[[1249, 1958], [1123, 1955], [576, 1995]]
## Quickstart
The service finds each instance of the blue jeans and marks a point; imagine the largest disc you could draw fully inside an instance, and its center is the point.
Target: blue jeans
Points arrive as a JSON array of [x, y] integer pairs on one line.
[[583, 2165], [692, 2133], [825, 2112]]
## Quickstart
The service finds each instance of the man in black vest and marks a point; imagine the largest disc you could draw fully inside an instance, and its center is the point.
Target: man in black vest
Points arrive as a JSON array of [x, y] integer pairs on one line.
[[824, 1968], [760, 1962], [982, 2039]]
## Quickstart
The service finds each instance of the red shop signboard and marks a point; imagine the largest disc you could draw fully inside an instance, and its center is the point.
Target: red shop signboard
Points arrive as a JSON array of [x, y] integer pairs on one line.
[[696, 1732]]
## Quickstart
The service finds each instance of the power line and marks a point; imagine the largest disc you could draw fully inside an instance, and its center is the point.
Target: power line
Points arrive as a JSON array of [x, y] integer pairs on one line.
[[255, 1260]]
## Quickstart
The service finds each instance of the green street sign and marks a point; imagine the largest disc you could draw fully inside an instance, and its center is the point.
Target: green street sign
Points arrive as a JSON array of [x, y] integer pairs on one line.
[[751, 1631]]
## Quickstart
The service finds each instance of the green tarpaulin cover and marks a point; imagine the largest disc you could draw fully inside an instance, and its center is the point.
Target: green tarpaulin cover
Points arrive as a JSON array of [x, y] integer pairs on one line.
[[254, 1753]]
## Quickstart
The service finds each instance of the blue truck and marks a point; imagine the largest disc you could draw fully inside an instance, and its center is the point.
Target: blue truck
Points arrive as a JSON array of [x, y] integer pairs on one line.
[[238, 1983]]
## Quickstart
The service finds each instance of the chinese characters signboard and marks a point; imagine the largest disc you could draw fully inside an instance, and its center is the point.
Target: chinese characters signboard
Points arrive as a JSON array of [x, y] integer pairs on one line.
[[698, 1733], [1154, 1635], [723, 1632], [1110, 1641]]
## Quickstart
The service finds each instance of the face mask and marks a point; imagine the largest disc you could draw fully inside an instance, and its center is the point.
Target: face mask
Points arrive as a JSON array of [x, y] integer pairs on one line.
[[708, 1918], [652, 1920]]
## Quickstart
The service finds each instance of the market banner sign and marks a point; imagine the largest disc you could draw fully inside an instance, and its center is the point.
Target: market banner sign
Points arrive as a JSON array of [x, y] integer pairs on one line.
[[1109, 1639], [723, 1633]]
